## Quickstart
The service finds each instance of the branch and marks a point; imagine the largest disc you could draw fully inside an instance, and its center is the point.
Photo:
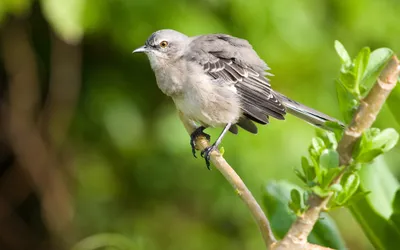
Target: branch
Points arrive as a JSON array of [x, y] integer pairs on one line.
[[64, 87], [233, 178], [364, 117], [24, 136]]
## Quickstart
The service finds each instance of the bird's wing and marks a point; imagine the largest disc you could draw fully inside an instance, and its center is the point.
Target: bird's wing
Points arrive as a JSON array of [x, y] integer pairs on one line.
[[234, 62]]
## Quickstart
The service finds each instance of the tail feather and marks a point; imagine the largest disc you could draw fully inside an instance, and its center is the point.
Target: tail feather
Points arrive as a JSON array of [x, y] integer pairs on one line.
[[307, 114]]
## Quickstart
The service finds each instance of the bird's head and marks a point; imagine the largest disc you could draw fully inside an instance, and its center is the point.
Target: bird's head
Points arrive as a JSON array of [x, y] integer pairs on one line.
[[163, 45]]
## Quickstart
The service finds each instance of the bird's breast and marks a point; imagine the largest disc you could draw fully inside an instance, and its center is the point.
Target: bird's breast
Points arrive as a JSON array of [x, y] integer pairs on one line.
[[208, 102], [170, 80]]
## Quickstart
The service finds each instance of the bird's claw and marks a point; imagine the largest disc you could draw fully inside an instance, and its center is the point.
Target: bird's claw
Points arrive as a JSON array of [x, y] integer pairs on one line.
[[206, 154], [198, 132]]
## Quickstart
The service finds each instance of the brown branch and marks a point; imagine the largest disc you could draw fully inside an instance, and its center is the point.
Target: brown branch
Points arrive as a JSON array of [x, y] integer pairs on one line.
[[64, 86], [369, 108], [233, 178], [23, 134]]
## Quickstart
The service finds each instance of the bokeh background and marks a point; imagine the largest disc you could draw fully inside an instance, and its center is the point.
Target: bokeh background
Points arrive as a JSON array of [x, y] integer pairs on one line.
[[89, 146]]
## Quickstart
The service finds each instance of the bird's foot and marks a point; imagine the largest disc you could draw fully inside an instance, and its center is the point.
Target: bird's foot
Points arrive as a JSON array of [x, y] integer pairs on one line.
[[206, 154], [198, 132]]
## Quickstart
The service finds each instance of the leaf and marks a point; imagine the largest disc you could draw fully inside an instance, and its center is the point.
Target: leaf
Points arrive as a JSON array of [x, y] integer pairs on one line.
[[350, 183], [369, 156], [334, 137], [377, 61], [336, 187], [394, 219], [386, 139], [327, 136], [320, 192], [327, 232], [276, 197], [347, 102], [308, 170], [222, 151], [359, 195], [373, 143], [317, 144], [394, 223], [343, 55], [329, 159], [300, 175], [295, 203], [360, 64], [328, 176], [374, 211], [396, 202]]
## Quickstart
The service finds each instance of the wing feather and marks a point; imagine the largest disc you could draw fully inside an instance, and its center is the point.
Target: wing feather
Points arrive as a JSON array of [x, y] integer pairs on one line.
[[233, 61]]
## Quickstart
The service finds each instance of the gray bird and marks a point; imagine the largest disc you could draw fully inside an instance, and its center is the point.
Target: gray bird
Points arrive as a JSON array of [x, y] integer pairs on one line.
[[218, 80]]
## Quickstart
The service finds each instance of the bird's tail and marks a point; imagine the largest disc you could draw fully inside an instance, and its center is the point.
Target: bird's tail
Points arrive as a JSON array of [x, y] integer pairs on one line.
[[307, 114]]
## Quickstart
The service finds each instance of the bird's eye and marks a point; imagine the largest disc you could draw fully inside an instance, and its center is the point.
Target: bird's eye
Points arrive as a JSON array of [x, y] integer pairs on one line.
[[163, 44]]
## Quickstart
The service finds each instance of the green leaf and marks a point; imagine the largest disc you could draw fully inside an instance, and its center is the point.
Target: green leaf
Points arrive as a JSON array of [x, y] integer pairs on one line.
[[377, 61], [276, 198], [360, 64], [359, 195], [373, 143], [394, 222], [329, 159], [329, 168], [343, 55], [396, 202], [327, 136], [308, 170], [315, 149], [320, 192], [374, 211], [328, 176], [222, 151], [326, 231], [347, 102], [386, 139], [336, 187], [295, 203], [369, 156], [350, 183], [394, 219], [300, 175], [334, 137], [305, 164], [317, 144]]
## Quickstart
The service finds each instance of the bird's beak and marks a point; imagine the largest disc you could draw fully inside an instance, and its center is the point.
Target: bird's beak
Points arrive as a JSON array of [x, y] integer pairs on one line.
[[140, 49]]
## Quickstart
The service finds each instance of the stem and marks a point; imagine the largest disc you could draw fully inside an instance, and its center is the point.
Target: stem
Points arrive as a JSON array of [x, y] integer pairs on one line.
[[237, 183], [364, 117]]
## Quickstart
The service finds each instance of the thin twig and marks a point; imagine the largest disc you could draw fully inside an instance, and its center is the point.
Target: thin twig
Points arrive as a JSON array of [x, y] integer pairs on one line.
[[233, 178], [296, 238]]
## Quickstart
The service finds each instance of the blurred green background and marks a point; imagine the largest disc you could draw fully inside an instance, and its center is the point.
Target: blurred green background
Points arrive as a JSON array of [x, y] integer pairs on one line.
[[124, 153]]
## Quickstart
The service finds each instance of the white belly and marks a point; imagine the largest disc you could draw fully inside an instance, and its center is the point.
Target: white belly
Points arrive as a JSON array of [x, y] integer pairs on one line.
[[209, 104]]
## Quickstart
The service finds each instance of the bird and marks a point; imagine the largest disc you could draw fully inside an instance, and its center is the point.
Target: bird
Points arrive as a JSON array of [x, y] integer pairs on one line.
[[218, 80]]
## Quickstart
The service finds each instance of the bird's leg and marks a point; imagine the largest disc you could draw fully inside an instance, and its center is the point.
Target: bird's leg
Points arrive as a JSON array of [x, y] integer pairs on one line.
[[206, 152], [193, 137]]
